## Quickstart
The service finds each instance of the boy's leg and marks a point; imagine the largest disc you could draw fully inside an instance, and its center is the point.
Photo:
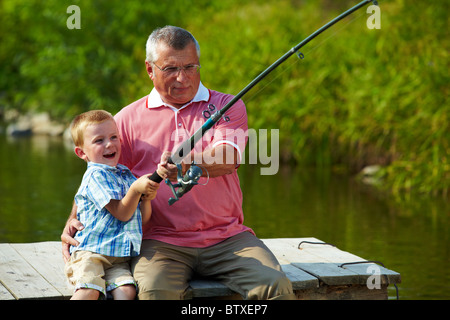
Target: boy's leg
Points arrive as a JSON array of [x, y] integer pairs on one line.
[[119, 280], [125, 292], [86, 294], [85, 270], [162, 271], [246, 266]]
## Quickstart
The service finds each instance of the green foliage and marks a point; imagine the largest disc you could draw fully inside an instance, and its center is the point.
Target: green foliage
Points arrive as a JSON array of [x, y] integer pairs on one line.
[[359, 96]]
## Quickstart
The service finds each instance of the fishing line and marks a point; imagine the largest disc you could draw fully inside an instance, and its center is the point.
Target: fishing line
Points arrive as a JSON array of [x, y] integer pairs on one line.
[[305, 53], [193, 174]]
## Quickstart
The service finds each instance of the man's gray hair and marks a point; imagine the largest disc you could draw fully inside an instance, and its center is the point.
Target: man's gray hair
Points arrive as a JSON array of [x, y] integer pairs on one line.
[[174, 37]]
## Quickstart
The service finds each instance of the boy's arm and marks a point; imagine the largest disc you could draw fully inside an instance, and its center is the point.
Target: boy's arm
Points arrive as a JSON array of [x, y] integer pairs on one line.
[[146, 209], [124, 209], [146, 204]]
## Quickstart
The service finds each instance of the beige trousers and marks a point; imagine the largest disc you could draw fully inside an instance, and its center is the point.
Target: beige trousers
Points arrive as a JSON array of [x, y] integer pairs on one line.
[[243, 263]]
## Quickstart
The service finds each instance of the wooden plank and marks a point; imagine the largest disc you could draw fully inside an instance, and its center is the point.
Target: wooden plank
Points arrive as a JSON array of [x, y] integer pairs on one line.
[[46, 259], [328, 253], [286, 249], [201, 288], [299, 278], [324, 261], [285, 254], [5, 294], [344, 292], [351, 262], [315, 252], [318, 260], [367, 270], [35, 271], [20, 278], [330, 273]]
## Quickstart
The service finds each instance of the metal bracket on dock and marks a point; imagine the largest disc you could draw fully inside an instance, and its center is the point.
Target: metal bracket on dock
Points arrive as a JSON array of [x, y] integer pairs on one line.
[[311, 242]]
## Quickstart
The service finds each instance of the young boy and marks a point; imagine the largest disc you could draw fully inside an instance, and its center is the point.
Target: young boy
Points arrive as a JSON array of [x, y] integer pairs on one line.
[[108, 206]]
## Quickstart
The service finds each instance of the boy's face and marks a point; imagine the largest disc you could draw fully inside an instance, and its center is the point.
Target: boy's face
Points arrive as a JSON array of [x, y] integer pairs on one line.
[[101, 144]]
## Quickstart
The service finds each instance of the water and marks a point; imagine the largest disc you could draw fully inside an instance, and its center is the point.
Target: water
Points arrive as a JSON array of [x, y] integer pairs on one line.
[[39, 177]]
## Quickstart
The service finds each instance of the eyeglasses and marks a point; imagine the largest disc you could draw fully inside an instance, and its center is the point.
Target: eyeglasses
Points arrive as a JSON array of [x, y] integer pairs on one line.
[[189, 69]]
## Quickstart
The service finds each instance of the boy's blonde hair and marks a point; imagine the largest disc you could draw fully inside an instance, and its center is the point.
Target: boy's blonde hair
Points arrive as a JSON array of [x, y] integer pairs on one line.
[[80, 122]]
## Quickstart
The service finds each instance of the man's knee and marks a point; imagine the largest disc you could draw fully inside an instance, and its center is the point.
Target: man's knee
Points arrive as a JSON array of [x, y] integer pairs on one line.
[[158, 277], [283, 289], [158, 287], [273, 285], [160, 294]]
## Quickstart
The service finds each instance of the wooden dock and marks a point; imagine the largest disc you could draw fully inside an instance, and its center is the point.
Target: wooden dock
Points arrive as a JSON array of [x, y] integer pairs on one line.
[[316, 270]]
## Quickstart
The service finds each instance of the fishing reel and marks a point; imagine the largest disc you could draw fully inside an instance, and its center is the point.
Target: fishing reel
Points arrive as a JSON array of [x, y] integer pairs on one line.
[[185, 183]]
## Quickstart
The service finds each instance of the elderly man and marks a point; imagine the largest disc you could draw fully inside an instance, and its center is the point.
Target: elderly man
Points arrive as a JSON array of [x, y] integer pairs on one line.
[[203, 233]]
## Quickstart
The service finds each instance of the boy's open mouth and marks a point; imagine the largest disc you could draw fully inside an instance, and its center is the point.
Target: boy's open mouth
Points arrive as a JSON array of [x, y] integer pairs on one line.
[[109, 155]]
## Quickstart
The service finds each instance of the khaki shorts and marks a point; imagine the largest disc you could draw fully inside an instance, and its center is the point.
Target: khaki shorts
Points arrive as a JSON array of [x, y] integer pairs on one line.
[[91, 270]]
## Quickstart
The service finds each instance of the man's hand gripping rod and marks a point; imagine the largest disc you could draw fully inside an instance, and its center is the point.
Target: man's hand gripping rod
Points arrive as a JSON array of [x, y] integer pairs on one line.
[[186, 182]]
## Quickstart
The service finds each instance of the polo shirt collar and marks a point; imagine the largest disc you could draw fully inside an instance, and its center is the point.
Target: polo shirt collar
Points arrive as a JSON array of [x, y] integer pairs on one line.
[[154, 99], [120, 169]]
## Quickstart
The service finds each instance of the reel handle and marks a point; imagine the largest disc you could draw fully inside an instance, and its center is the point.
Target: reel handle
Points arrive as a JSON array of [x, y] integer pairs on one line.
[[155, 176], [185, 183]]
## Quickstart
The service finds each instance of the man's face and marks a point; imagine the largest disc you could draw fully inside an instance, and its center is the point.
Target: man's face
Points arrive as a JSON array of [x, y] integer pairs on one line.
[[179, 87]]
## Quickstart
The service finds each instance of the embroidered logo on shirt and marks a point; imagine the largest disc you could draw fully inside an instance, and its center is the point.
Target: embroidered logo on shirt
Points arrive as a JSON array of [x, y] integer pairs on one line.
[[211, 109]]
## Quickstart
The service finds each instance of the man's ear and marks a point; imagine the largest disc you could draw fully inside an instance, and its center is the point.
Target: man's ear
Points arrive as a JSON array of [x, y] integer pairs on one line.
[[149, 68], [80, 153]]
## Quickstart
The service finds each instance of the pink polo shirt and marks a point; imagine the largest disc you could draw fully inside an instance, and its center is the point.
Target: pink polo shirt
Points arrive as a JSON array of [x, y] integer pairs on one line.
[[209, 213]]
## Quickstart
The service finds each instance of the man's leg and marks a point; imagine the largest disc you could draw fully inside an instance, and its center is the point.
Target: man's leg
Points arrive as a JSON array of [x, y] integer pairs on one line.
[[162, 271], [247, 266]]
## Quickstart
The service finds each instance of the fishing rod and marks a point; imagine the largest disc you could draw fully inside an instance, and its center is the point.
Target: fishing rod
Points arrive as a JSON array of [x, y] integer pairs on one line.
[[190, 179]]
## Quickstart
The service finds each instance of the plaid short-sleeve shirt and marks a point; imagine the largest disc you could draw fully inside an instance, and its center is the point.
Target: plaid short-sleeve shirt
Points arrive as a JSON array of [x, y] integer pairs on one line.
[[102, 232]]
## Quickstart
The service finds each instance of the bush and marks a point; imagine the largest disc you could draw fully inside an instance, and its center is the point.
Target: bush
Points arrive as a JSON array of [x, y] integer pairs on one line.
[[359, 96]]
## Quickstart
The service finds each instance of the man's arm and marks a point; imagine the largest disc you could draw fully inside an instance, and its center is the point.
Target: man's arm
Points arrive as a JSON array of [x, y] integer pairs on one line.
[[71, 227], [219, 161]]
